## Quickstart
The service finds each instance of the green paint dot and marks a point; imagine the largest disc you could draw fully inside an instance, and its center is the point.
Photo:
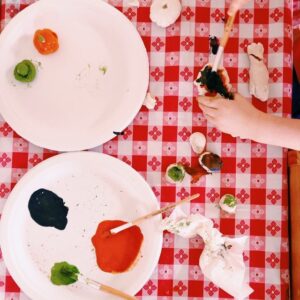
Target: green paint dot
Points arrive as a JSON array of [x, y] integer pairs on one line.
[[41, 39], [25, 71], [230, 200], [176, 173]]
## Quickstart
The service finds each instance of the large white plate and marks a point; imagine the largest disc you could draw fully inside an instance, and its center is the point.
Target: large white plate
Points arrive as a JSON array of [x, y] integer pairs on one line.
[[71, 105], [95, 187]]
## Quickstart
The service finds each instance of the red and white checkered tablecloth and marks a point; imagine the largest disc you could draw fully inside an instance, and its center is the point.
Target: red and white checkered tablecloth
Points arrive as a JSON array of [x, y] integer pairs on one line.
[[255, 173]]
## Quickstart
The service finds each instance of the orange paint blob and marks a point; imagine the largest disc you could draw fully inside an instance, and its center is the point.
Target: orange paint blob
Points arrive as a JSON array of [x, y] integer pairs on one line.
[[116, 253], [45, 41]]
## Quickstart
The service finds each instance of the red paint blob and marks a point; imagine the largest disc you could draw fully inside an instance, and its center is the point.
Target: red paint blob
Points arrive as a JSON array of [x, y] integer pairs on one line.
[[116, 253]]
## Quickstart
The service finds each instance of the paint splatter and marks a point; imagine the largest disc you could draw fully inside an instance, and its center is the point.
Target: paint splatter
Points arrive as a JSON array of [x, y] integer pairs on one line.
[[119, 132], [103, 70], [47, 209]]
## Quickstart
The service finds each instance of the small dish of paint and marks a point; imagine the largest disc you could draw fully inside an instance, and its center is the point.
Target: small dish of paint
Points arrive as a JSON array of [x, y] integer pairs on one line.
[[59, 211]]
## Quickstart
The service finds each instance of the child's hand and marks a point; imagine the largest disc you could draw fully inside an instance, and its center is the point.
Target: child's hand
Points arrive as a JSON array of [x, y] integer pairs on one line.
[[237, 117]]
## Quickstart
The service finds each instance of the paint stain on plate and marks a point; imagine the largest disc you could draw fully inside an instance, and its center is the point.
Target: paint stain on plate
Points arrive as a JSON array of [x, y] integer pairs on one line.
[[47, 209]]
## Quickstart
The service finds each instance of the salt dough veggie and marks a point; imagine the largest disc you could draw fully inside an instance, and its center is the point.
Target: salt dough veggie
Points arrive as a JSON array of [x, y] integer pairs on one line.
[[25, 71], [165, 12], [45, 41], [228, 203], [175, 173], [211, 162], [198, 142]]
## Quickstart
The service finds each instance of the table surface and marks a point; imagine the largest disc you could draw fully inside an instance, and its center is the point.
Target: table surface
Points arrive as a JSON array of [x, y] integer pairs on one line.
[[255, 173]]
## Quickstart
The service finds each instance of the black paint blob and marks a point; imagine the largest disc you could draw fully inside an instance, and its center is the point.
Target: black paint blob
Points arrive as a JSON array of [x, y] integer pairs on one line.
[[47, 209]]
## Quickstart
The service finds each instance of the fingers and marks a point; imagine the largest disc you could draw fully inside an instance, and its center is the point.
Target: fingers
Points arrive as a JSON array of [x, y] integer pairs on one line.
[[208, 102], [238, 97], [210, 119], [208, 111]]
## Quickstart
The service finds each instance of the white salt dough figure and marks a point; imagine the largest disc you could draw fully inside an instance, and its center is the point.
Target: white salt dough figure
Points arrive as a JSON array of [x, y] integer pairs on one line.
[[202, 89], [165, 12], [198, 142], [149, 101], [259, 74]]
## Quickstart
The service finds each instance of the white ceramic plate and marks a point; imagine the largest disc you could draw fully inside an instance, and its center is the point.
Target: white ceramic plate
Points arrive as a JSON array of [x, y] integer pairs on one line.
[[72, 105], [95, 187]]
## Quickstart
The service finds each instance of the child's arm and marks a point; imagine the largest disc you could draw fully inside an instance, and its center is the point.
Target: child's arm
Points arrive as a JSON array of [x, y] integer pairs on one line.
[[240, 118]]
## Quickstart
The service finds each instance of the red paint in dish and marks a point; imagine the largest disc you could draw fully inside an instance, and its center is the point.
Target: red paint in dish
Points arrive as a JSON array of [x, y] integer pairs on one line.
[[116, 253]]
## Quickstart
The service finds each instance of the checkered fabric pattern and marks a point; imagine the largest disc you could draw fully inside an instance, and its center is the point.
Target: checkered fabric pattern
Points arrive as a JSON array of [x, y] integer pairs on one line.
[[255, 173]]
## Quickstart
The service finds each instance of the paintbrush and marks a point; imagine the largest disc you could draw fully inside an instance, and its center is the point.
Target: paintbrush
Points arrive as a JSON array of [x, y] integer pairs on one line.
[[104, 288], [63, 273], [233, 9], [152, 214]]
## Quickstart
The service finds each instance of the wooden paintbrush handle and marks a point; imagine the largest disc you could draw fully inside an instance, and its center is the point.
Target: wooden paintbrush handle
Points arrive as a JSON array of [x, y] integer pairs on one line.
[[152, 214], [227, 30], [164, 209], [118, 293], [294, 207], [223, 42]]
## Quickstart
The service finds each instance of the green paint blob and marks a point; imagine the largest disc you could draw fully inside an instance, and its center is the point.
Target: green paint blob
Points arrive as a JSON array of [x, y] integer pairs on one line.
[[230, 200], [41, 38], [62, 273], [176, 173], [25, 71]]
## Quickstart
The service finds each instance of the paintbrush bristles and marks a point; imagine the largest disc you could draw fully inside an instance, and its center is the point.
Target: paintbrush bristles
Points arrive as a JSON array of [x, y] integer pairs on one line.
[[235, 6]]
